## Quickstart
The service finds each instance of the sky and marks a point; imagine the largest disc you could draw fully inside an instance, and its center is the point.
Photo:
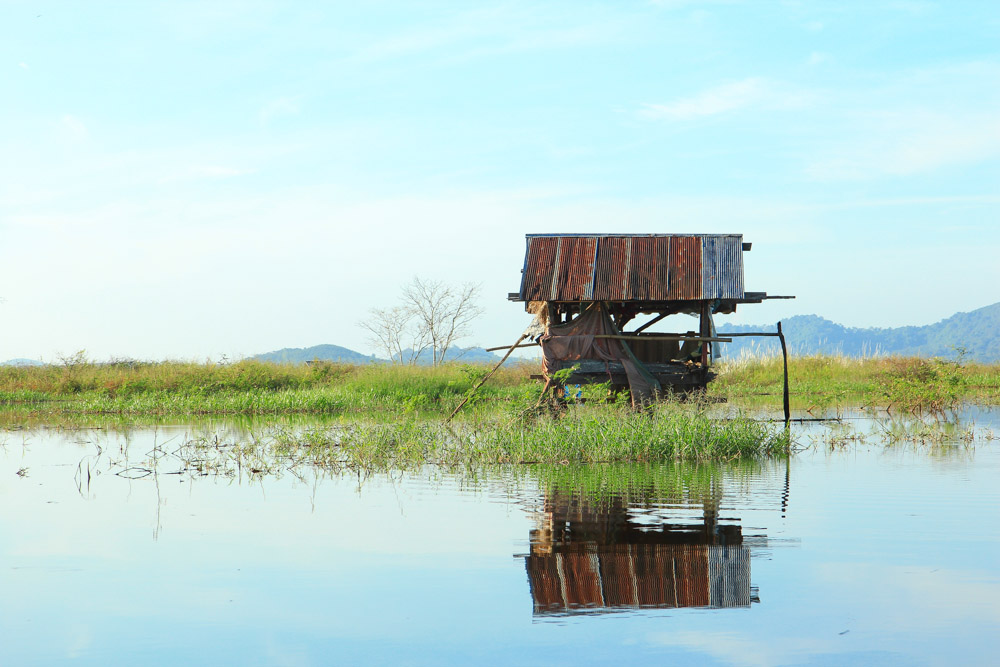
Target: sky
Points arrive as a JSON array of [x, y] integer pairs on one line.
[[209, 179]]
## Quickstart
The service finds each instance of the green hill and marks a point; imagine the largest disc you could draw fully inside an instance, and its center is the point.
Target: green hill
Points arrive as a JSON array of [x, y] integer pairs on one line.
[[465, 355], [977, 332], [21, 362], [300, 355]]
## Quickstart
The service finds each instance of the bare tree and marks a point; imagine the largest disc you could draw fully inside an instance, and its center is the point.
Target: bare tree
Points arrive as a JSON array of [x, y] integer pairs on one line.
[[432, 316], [393, 330], [443, 313]]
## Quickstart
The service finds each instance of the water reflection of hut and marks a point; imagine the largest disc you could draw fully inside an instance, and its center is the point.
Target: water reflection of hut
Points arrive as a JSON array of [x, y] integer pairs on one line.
[[604, 555], [585, 288]]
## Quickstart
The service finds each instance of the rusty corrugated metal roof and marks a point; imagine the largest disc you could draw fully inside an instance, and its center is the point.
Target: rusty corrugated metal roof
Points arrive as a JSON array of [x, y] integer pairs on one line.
[[632, 267]]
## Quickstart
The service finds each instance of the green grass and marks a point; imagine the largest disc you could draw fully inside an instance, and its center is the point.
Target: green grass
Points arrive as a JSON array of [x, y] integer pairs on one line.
[[387, 392], [906, 384], [381, 416], [584, 435], [250, 388]]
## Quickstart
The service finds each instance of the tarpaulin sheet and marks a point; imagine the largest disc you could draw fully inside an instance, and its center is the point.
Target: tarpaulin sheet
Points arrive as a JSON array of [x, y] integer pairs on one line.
[[577, 340]]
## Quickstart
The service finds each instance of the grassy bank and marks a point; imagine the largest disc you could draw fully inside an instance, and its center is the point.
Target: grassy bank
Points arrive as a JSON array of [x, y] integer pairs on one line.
[[251, 388], [382, 391], [901, 383], [380, 416]]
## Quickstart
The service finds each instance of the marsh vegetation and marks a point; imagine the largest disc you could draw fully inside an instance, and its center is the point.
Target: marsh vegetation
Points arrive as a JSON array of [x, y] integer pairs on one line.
[[382, 416]]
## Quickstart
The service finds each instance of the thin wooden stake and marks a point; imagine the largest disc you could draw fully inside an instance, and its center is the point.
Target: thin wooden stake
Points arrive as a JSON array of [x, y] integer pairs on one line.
[[784, 356], [488, 376], [504, 347]]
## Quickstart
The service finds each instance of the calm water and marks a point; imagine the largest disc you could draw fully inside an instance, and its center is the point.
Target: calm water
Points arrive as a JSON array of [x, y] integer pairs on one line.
[[863, 554]]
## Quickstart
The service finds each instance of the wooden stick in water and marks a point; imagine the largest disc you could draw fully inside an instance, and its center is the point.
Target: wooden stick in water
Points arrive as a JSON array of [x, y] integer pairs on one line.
[[488, 376], [784, 356]]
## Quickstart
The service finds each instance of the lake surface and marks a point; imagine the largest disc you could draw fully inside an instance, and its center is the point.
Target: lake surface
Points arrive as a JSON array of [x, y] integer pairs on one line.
[[848, 553]]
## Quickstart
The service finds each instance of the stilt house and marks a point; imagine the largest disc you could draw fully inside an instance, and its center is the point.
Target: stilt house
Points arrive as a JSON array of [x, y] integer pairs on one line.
[[586, 290]]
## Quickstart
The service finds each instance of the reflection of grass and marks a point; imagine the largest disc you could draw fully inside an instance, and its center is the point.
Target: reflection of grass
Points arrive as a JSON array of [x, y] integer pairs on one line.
[[887, 430], [674, 482]]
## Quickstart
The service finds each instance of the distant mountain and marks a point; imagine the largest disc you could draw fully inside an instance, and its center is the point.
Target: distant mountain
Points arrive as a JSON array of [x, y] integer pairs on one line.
[[977, 332], [22, 362], [300, 355], [466, 355]]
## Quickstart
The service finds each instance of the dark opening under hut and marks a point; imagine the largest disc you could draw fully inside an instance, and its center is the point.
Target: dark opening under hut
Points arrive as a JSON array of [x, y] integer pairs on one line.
[[597, 297]]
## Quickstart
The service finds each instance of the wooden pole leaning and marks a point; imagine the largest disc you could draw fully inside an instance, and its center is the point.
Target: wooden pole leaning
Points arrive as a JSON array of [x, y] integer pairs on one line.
[[488, 376]]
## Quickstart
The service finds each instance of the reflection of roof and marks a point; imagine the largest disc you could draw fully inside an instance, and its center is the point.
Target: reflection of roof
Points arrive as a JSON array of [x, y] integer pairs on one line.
[[640, 575], [598, 554], [615, 267]]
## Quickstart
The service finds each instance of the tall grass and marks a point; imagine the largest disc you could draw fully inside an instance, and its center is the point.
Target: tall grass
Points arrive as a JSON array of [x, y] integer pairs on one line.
[[386, 392], [904, 383], [585, 435], [250, 387]]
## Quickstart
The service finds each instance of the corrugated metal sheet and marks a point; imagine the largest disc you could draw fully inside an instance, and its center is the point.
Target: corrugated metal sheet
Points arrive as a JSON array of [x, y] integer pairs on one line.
[[574, 268], [651, 267], [685, 268], [722, 268], [611, 270], [541, 258]]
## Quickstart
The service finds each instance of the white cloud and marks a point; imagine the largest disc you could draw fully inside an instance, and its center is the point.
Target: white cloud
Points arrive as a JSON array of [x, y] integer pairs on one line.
[[282, 106], [903, 143], [746, 649], [916, 7], [682, 4], [819, 58], [199, 172], [23, 65], [72, 129], [752, 92], [494, 31], [218, 171]]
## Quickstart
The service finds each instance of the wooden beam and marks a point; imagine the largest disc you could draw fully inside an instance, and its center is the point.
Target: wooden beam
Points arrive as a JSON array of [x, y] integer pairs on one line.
[[634, 337], [507, 347], [697, 339], [650, 323]]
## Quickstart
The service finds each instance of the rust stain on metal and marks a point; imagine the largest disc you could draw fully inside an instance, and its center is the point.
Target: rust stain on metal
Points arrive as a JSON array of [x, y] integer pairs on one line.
[[685, 268], [537, 279], [573, 279], [610, 269], [653, 267]]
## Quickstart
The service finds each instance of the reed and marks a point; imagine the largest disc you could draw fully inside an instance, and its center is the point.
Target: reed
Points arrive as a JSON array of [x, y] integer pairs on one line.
[[387, 392], [903, 383], [584, 436]]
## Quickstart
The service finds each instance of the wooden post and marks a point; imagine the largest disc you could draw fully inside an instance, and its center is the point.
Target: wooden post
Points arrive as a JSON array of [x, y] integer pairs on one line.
[[784, 356], [488, 376], [706, 331], [552, 314], [548, 383]]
